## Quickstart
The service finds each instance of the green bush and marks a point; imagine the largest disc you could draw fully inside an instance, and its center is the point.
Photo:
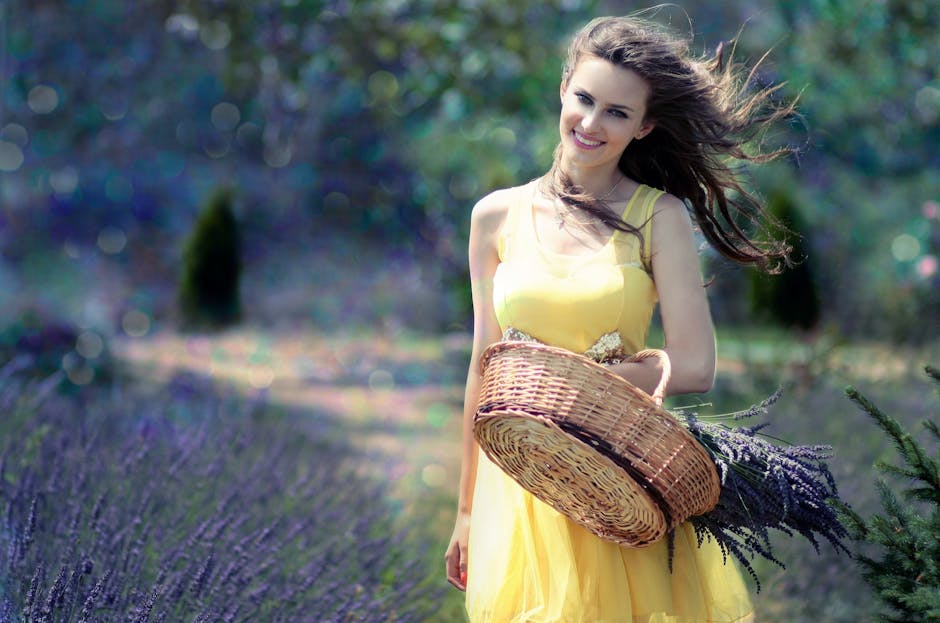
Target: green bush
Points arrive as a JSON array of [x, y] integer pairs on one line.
[[906, 574], [209, 291], [789, 299]]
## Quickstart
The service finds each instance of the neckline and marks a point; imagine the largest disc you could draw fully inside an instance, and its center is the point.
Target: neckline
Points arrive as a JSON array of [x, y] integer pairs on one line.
[[575, 256]]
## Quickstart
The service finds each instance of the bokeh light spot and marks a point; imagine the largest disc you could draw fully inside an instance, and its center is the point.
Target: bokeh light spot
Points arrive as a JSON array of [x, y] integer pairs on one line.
[[14, 133], [42, 99], [294, 97], [182, 24], [71, 360], [64, 181], [72, 250], [112, 240], [248, 135], [89, 344], [931, 209], [277, 156], [11, 156], [503, 137], [927, 103], [434, 475], [113, 106], [260, 377], [383, 85], [905, 248], [136, 323], [225, 116], [216, 145], [77, 370], [381, 379], [81, 375], [438, 414], [215, 35], [336, 202], [927, 266]]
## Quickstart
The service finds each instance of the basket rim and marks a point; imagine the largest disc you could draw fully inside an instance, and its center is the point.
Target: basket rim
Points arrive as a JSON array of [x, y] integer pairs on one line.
[[517, 345]]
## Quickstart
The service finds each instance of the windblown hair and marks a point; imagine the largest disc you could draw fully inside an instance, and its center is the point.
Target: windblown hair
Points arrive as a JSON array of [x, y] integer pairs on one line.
[[705, 112]]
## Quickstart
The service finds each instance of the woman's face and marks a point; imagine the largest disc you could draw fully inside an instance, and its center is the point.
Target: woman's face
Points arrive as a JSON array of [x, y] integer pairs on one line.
[[603, 108]]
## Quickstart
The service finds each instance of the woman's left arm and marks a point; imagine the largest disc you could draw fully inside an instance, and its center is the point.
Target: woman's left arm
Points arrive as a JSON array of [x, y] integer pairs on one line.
[[683, 306]]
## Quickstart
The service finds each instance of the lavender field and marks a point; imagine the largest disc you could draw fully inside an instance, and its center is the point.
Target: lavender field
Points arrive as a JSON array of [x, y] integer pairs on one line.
[[188, 502], [299, 476]]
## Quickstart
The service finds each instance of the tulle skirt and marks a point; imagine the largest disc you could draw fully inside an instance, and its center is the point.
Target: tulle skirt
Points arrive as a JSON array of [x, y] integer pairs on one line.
[[527, 563]]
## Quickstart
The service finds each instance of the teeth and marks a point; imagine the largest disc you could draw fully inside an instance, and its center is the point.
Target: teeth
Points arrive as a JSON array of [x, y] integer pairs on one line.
[[586, 141]]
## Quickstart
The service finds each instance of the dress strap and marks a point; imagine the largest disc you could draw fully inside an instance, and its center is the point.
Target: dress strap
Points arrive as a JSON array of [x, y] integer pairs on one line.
[[521, 200]]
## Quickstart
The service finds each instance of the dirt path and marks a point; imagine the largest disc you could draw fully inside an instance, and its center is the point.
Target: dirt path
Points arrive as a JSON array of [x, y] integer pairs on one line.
[[396, 397]]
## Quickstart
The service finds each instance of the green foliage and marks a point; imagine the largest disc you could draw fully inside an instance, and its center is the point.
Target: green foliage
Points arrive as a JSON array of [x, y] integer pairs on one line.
[[209, 288], [51, 347], [906, 576], [390, 119], [789, 299]]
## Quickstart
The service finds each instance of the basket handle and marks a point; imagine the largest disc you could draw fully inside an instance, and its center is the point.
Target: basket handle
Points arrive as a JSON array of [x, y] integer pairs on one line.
[[660, 392]]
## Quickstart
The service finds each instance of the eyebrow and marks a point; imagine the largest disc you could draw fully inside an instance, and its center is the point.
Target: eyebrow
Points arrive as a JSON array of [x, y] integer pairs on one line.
[[618, 106]]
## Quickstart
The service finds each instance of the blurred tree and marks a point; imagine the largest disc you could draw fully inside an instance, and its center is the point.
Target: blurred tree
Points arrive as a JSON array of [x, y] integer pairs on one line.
[[870, 80], [388, 119], [789, 299], [209, 288]]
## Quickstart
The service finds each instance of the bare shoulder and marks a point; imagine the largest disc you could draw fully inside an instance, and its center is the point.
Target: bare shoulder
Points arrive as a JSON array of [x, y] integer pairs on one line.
[[670, 209], [490, 211], [672, 228], [670, 219]]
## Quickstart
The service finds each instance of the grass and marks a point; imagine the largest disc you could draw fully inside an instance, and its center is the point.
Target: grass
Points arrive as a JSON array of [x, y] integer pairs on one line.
[[383, 407]]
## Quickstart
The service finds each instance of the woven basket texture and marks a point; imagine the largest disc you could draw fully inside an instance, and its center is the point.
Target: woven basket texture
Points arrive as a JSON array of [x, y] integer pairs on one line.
[[564, 472], [647, 456]]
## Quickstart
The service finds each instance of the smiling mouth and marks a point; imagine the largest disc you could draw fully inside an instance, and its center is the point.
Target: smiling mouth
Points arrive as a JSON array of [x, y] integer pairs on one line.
[[584, 141]]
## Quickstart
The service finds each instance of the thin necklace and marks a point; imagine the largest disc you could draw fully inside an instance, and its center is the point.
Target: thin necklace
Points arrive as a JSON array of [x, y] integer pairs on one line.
[[563, 213]]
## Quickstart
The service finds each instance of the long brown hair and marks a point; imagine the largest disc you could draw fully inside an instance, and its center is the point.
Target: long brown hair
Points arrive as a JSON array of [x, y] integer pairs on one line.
[[705, 111]]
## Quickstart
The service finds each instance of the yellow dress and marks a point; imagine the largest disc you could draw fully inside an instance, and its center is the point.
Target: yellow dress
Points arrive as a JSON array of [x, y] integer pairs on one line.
[[527, 563]]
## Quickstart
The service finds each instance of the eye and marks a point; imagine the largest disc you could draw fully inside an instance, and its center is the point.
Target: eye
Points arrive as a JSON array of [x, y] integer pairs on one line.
[[618, 113], [583, 98]]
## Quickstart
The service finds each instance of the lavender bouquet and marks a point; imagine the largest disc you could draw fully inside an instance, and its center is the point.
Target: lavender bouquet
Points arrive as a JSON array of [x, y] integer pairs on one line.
[[765, 484]]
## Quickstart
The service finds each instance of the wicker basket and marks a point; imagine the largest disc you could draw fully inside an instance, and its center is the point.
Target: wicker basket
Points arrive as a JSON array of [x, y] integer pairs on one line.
[[591, 444]]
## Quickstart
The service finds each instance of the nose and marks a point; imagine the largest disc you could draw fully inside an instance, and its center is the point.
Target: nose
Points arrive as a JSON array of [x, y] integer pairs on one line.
[[591, 121]]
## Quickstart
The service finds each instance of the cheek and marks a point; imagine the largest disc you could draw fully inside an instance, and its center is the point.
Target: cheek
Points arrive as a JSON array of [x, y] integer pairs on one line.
[[568, 116]]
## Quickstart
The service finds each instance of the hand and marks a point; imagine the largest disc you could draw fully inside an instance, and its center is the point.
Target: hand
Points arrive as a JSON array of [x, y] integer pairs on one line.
[[456, 557]]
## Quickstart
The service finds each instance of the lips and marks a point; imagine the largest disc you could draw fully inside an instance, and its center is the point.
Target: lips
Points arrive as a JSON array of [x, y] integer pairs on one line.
[[585, 142]]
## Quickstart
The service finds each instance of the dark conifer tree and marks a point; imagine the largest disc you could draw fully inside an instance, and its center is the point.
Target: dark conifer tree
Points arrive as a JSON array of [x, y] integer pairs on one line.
[[789, 299], [905, 571], [209, 289]]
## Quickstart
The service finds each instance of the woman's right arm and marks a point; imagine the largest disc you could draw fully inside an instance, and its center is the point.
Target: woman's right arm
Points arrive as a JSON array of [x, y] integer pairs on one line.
[[486, 221]]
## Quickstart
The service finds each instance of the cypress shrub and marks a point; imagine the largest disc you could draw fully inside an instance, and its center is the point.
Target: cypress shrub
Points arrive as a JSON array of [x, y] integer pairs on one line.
[[905, 575], [209, 291], [789, 299]]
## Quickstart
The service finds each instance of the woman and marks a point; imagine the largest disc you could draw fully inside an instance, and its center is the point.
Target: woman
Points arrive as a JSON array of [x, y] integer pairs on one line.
[[583, 253]]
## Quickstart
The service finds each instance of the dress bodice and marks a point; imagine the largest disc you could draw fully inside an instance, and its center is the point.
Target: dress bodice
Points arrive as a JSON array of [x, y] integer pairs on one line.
[[572, 301]]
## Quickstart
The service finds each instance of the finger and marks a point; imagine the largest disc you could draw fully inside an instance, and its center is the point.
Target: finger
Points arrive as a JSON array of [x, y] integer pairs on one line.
[[456, 568], [451, 569]]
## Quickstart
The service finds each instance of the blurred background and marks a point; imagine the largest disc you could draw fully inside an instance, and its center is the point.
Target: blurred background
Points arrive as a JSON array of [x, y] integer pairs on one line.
[[338, 146], [376, 125]]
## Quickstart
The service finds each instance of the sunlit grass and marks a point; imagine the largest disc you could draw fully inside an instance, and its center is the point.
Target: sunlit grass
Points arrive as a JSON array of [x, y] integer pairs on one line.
[[395, 398]]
